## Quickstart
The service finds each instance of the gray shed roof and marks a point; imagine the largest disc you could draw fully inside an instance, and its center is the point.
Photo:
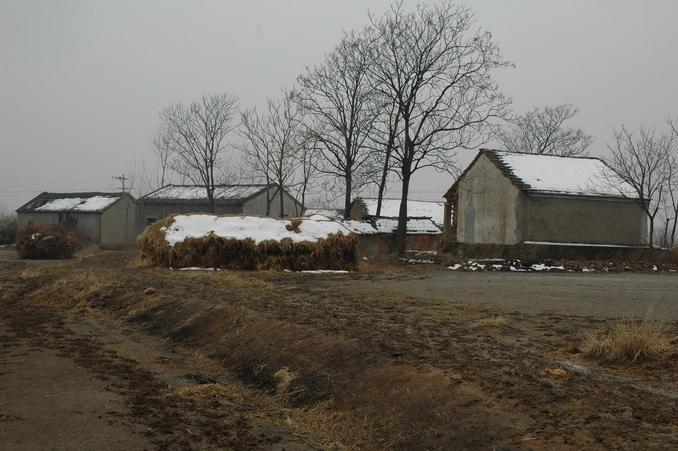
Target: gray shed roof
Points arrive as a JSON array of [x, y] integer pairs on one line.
[[92, 202], [188, 193]]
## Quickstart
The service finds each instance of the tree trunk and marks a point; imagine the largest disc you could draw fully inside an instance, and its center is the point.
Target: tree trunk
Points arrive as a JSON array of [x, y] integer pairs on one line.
[[384, 176], [673, 229], [210, 199], [347, 196], [282, 201], [268, 200], [303, 198], [400, 238], [651, 232]]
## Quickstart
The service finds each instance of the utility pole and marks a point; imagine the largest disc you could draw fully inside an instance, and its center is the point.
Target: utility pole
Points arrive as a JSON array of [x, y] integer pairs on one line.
[[122, 179]]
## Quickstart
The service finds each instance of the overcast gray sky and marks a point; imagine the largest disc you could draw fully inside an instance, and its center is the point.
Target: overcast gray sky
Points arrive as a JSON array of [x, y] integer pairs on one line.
[[81, 82]]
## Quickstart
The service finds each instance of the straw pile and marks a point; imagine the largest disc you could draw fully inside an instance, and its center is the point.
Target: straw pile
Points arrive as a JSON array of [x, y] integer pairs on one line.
[[336, 251]]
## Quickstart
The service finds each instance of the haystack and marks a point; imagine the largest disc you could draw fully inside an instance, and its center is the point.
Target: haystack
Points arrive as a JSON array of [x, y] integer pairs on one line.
[[248, 243]]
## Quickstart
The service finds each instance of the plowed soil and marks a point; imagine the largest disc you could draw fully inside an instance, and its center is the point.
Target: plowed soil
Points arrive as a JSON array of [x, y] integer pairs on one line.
[[100, 352]]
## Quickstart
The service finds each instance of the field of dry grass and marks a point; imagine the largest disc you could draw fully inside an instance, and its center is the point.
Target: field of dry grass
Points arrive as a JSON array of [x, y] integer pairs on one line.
[[371, 369]]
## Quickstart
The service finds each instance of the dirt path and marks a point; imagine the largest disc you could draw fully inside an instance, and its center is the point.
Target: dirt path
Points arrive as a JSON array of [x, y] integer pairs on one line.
[[596, 295], [84, 382]]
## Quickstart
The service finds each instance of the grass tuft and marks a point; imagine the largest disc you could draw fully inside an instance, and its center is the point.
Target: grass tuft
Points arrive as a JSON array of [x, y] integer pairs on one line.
[[490, 322], [630, 341]]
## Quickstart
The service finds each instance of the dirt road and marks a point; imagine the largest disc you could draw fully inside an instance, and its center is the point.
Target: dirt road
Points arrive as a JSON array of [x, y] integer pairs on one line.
[[597, 295], [165, 359], [84, 382]]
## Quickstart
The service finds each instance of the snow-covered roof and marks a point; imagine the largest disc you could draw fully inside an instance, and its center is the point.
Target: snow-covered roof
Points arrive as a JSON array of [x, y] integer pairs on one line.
[[70, 202], [382, 225], [414, 225], [550, 174], [332, 213], [195, 192], [253, 227], [415, 209]]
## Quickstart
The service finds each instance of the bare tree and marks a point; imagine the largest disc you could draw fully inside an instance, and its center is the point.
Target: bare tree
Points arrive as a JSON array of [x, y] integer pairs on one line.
[[306, 155], [337, 96], [643, 162], [385, 137], [543, 131], [271, 144], [439, 74], [197, 134], [162, 148], [673, 184]]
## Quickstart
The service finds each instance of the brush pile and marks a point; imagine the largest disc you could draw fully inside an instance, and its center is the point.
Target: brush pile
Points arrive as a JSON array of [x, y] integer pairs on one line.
[[46, 242], [248, 243]]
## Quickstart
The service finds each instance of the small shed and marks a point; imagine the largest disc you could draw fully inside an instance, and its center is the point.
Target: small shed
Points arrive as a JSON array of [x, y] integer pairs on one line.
[[107, 219], [249, 200], [510, 198], [424, 224], [366, 208]]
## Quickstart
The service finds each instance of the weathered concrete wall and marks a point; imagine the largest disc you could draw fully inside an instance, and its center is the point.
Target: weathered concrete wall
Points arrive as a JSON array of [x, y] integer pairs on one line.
[[257, 205], [380, 243], [88, 224], [489, 207], [588, 221], [118, 224]]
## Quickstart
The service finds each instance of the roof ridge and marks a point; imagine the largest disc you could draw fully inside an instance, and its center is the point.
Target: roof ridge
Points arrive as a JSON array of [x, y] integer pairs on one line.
[[579, 157]]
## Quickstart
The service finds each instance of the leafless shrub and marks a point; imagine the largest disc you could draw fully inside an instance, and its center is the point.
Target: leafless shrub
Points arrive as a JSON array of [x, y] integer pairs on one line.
[[8, 229], [46, 241]]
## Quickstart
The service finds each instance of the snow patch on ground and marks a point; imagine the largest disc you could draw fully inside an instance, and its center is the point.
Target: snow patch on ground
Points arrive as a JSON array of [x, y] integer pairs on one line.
[[325, 271]]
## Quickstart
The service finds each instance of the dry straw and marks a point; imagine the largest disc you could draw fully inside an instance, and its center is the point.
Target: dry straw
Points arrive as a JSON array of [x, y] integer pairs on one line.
[[631, 341], [334, 252]]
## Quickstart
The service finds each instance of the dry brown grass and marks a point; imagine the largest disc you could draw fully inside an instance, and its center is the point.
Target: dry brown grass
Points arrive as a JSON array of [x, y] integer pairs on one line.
[[631, 341], [294, 224], [211, 251], [203, 391], [490, 322], [285, 377]]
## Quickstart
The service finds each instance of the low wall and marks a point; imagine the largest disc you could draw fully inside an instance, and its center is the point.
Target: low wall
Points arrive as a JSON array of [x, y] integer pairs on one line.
[[381, 243], [558, 252]]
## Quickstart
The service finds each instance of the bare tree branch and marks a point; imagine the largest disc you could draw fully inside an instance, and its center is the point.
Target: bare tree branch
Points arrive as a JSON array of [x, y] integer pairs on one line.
[[197, 134], [272, 141], [643, 162], [337, 96], [542, 131]]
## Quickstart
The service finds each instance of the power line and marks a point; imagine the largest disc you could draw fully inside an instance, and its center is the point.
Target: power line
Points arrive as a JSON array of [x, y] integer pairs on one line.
[[122, 179]]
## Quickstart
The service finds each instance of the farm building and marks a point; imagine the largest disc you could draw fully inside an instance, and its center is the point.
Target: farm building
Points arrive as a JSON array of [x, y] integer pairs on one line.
[[510, 198], [424, 224], [365, 208], [107, 219], [249, 200]]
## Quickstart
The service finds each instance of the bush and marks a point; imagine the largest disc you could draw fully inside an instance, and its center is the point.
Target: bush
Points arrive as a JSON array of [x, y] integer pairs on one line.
[[46, 241], [630, 341], [7, 230], [211, 251]]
